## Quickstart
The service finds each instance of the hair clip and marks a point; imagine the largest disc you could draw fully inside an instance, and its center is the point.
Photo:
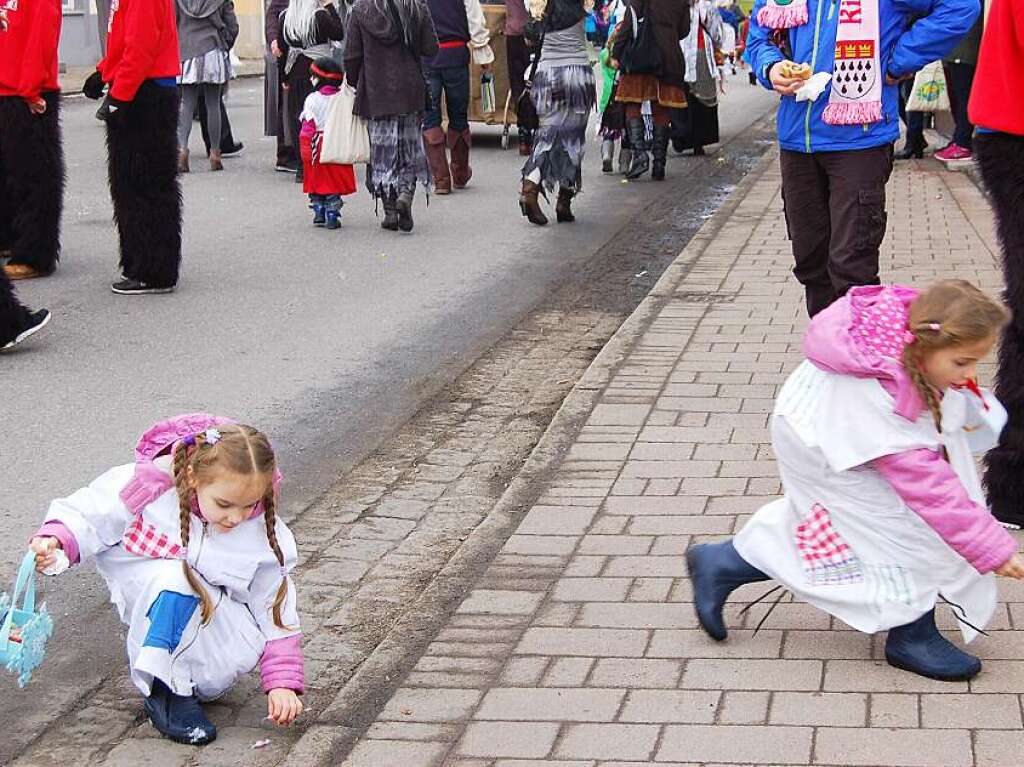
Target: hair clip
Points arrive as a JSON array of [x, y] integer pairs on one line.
[[189, 440], [934, 326], [212, 436], [909, 337]]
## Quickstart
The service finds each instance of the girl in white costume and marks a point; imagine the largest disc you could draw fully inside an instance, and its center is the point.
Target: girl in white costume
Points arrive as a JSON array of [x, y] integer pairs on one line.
[[197, 564], [883, 512]]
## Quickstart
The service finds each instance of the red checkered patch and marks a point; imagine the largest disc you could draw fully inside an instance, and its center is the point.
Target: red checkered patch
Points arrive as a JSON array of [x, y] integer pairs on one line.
[[827, 558], [145, 540]]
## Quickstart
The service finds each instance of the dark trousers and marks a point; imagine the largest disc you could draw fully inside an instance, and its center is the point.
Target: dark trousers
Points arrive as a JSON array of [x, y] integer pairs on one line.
[[959, 79], [453, 82], [835, 214], [518, 54], [913, 120], [227, 140], [1001, 162], [142, 161], [31, 182], [299, 87], [13, 316]]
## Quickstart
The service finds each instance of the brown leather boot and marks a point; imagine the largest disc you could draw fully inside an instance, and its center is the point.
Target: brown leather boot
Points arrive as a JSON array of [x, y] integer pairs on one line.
[[215, 163], [529, 204], [460, 142], [437, 159], [563, 208], [183, 161]]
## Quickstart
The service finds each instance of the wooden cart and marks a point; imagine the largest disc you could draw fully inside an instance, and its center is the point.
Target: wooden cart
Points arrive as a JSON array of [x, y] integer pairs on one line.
[[505, 116]]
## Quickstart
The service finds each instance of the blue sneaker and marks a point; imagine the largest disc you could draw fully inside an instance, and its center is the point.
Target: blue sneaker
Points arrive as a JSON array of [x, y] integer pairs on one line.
[[319, 217], [333, 219], [919, 648], [179, 717], [716, 570]]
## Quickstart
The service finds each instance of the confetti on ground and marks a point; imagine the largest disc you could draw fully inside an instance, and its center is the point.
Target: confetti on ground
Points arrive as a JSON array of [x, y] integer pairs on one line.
[[261, 743]]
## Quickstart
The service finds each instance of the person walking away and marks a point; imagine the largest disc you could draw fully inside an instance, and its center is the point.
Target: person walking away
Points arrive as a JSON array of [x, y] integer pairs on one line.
[[517, 54], [461, 31], [669, 21], [207, 30], [31, 145], [959, 67], [837, 151], [141, 115], [999, 146], [613, 114], [883, 515], [563, 92], [275, 96], [308, 29], [698, 121], [325, 183], [227, 144], [387, 42], [198, 563]]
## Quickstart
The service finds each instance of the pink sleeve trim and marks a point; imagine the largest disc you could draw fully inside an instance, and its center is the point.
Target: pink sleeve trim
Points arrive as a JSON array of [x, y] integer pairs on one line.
[[928, 485], [282, 665], [57, 529]]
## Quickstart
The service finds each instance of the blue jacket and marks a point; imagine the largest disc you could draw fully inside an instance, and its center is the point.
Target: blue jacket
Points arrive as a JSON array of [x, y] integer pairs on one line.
[[903, 51]]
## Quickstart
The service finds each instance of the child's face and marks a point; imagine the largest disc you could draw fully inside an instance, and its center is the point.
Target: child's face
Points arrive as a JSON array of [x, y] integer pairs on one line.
[[956, 365], [228, 499]]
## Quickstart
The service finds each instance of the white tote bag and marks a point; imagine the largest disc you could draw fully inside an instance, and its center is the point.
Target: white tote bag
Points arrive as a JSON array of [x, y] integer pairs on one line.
[[346, 140], [929, 93]]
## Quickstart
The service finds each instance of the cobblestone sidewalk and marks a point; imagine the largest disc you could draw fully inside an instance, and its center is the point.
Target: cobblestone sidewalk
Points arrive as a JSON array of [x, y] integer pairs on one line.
[[578, 648]]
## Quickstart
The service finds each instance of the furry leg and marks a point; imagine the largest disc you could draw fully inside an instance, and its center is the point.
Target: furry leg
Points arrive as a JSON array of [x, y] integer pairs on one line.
[[1001, 160], [142, 148], [33, 160]]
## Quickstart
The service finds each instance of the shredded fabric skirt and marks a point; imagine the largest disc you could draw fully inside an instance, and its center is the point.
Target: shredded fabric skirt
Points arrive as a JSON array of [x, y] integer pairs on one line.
[[564, 98], [213, 67], [397, 159], [636, 89]]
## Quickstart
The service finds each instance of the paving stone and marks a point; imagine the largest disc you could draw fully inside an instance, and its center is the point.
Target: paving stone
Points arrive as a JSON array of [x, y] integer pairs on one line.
[[998, 749], [591, 589], [568, 672], [557, 520], [556, 545], [874, 676], [640, 615], [670, 706], [895, 710], [554, 704], [694, 643], [524, 672], [971, 712], [616, 544], [726, 743], [608, 643], [444, 705], [750, 674], [744, 708], [607, 741], [654, 506], [496, 602], [635, 673], [820, 709], [531, 740], [878, 747], [374, 753]]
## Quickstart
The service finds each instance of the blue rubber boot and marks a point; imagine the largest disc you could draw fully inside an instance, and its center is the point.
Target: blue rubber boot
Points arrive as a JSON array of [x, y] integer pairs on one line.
[[332, 208], [716, 570], [919, 648], [319, 214], [179, 717]]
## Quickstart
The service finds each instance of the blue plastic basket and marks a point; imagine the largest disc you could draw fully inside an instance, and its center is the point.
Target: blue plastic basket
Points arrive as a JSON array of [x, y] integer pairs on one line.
[[23, 656]]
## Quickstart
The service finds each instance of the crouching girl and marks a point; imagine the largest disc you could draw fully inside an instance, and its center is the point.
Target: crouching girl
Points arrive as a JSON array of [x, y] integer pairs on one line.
[[883, 514], [197, 562]]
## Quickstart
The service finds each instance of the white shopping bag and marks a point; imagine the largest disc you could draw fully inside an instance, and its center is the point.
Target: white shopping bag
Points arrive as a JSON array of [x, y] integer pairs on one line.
[[929, 94], [346, 140]]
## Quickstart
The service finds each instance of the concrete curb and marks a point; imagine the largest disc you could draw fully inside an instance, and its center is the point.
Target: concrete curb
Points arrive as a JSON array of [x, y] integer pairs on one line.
[[356, 705]]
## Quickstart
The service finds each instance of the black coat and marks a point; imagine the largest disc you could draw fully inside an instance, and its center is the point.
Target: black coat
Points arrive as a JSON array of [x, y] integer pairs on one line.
[[671, 23]]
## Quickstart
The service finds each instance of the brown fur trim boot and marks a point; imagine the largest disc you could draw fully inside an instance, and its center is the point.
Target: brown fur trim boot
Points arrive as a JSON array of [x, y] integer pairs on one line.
[[460, 142], [529, 204], [437, 159]]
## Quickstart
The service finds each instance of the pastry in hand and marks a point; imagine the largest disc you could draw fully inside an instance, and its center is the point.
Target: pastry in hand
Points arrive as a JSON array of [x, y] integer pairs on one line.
[[794, 71]]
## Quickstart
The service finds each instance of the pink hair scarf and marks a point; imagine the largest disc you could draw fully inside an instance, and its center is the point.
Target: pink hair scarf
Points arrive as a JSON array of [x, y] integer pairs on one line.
[[856, 95]]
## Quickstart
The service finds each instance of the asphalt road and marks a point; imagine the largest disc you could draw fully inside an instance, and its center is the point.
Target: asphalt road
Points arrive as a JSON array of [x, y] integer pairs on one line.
[[327, 340]]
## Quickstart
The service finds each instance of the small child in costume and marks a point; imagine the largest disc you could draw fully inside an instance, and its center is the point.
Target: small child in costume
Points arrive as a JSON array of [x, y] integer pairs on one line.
[[883, 513], [325, 183], [613, 113], [197, 562]]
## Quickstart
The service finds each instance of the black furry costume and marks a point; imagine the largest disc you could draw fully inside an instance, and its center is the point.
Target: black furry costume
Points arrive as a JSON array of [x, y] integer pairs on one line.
[[1001, 160], [31, 182], [142, 162]]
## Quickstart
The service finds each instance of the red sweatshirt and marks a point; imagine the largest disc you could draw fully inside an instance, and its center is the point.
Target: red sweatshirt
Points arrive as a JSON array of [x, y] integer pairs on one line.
[[142, 45], [29, 33], [995, 96]]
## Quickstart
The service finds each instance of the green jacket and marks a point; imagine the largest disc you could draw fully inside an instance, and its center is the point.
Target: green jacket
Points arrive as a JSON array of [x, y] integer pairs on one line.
[[608, 75]]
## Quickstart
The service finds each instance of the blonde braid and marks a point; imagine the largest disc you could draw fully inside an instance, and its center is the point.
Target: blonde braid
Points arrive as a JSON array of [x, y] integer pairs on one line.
[[270, 518], [181, 464]]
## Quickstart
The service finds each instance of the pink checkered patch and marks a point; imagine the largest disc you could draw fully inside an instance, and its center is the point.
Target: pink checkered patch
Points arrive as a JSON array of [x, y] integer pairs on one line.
[[827, 558], [145, 540]]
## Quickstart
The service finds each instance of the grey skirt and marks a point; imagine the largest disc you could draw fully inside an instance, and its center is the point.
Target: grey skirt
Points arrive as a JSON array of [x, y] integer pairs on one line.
[[213, 67]]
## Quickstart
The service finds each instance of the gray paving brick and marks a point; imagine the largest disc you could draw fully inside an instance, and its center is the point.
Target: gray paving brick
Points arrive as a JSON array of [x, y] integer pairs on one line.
[[553, 705], [817, 708], [748, 674], [595, 642], [529, 740], [607, 741], [894, 748], [725, 743]]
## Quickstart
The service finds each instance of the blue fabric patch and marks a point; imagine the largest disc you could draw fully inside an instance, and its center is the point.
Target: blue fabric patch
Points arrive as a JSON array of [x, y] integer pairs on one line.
[[168, 616], [166, 82]]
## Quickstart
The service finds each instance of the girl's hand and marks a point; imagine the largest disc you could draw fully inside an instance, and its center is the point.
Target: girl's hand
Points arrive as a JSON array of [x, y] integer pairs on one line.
[[787, 86], [283, 706], [1012, 568], [44, 549]]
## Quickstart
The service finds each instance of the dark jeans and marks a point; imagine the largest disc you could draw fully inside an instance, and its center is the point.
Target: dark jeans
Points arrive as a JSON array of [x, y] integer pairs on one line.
[[453, 82], [913, 120], [835, 214], [959, 79]]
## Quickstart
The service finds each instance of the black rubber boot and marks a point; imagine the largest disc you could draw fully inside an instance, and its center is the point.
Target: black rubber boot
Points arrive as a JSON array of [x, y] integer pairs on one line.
[[179, 717], [660, 151], [919, 648], [390, 221], [404, 208], [716, 570], [640, 162], [912, 150]]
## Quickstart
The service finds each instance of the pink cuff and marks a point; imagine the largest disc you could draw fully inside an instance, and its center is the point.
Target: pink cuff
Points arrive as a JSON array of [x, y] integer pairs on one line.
[[282, 665], [57, 529]]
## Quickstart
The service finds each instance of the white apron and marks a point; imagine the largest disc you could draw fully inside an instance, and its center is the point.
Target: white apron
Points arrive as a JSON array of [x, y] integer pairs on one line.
[[841, 538]]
